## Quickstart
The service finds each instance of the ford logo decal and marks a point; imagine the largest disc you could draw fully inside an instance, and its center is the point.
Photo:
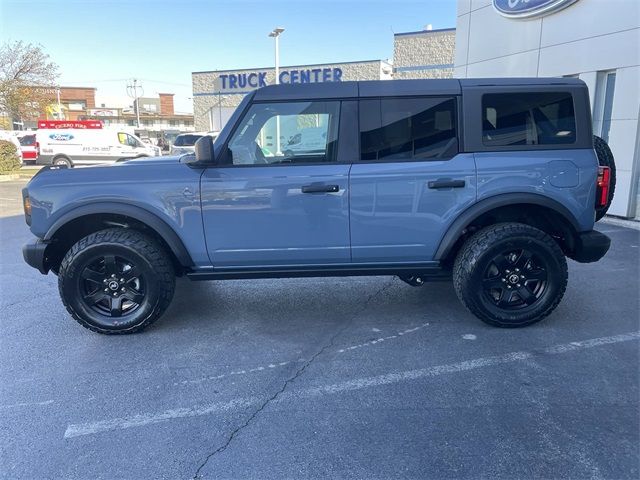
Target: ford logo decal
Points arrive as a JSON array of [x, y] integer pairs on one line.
[[529, 8], [61, 137]]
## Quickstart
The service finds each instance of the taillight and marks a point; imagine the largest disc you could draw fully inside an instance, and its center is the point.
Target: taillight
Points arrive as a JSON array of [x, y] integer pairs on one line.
[[26, 203], [603, 183]]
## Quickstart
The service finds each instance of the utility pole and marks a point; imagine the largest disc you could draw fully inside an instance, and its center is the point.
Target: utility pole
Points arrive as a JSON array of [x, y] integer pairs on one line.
[[132, 92], [275, 33]]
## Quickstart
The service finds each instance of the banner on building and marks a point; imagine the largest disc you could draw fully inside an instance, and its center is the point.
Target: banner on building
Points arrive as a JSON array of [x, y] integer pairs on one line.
[[63, 124]]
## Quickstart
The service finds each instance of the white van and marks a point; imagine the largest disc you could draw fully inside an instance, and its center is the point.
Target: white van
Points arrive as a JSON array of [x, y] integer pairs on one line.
[[89, 147], [306, 141]]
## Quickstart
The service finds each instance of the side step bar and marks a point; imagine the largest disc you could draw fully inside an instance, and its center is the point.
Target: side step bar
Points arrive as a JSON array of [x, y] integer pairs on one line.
[[428, 271]]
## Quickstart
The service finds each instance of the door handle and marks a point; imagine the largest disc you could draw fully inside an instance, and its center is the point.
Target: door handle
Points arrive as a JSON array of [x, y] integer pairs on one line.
[[320, 188], [446, 183]]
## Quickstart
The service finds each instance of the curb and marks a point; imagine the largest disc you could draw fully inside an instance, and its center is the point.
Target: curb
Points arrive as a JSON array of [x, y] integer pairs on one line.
[[620, 222], [9, 177]]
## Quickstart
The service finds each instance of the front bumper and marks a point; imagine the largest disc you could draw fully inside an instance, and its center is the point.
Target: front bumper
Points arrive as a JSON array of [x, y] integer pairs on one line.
[[34, 255], [590, 247]]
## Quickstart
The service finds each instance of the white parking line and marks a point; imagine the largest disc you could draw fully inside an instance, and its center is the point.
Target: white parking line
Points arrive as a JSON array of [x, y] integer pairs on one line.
[[270, 366], [382, 339], [89, 428], [236, 372]]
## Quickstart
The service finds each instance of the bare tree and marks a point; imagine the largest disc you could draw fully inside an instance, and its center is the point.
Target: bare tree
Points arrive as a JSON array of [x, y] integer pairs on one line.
[[27, 80]]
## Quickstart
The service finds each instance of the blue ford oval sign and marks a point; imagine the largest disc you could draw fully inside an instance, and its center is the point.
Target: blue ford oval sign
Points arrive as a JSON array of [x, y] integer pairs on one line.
[[61, 137], [529, 8]]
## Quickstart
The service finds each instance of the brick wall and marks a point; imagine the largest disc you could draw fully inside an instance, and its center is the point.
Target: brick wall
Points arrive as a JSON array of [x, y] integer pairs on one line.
[[424, 54], [70, 94], [166, 103]]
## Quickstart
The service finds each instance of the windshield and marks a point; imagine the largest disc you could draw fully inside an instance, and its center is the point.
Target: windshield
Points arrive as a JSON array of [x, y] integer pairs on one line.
[[187, 140]]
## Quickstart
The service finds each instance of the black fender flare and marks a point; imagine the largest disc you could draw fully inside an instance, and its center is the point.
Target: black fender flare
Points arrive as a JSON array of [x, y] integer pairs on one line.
[[146, 217], [483, 206]]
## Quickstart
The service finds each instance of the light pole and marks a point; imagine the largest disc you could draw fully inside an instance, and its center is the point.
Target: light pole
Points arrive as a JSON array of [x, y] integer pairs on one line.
[[275, 33]]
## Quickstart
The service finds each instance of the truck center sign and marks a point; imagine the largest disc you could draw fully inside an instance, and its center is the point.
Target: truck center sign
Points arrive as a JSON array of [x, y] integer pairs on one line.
[[244, 81]]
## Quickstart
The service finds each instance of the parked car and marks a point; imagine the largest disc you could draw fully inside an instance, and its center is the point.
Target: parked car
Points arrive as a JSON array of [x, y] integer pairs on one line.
[[72, 147], [492, 183], [29, 147], [185, 143]]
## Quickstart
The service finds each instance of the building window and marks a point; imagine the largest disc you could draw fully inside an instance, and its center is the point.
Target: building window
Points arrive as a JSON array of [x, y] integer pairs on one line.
[[75, 105], [605, 89], [511, 119], [173, 123], [131, 123], [408, 129]]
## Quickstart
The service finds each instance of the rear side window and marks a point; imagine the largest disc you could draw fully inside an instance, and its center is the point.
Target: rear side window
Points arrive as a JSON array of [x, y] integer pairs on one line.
[[545, 118], [403, 129]]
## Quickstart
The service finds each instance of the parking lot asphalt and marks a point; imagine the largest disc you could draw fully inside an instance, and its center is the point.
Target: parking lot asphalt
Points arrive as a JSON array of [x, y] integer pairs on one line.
[[321, 378]]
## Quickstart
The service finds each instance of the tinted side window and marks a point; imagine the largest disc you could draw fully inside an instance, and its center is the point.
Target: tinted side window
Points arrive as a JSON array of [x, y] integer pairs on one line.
[[528, 119], [408, 129], [277, 133]]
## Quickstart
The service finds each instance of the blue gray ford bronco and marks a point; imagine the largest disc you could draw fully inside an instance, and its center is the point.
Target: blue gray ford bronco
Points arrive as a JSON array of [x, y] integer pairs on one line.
[[490, 182]]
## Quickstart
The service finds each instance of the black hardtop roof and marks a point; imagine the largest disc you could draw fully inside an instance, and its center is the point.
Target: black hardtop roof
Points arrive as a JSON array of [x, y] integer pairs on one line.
[[397, 88]]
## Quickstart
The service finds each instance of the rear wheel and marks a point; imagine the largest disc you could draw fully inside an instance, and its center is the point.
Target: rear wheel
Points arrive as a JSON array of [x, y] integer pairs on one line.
[[63, 161], [116, 281], [510, 275]]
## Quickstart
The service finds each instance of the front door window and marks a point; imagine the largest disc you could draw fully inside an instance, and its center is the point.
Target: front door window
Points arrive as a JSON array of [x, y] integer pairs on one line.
[[286, 133]]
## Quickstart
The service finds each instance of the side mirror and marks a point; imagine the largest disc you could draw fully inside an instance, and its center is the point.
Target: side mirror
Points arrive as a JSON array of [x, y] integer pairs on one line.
[[204, 150]]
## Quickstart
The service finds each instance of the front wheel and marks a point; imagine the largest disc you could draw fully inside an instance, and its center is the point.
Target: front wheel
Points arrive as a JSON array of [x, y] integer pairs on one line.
[[116, 281], [510, 275]]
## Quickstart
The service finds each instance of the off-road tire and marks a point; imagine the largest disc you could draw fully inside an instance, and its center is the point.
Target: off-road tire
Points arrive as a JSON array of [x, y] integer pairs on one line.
[[144, 252], [476, 256], [605, 159]]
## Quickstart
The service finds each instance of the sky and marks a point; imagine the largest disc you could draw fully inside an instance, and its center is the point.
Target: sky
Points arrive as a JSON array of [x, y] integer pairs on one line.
[[105, 43]]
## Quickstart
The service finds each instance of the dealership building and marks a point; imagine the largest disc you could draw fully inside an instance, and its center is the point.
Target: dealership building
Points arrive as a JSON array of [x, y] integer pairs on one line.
[[422, 54], [217, 93], [597, 41]]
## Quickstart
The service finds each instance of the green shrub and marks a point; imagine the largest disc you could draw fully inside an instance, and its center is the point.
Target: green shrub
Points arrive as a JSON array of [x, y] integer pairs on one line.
[[9, 159]]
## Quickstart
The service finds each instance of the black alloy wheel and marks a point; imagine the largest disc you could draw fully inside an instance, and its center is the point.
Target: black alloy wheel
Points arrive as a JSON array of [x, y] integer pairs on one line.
[[515, 279], [112, 286]]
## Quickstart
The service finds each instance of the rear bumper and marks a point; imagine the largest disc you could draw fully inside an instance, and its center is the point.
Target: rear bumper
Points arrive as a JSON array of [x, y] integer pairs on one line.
[[591, 247], [34, 255]]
